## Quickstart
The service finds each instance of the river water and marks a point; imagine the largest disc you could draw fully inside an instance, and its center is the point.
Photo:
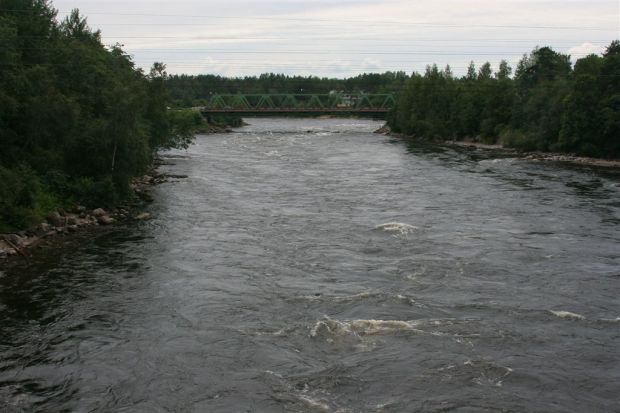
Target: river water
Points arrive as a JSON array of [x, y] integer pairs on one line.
[[312, 266]]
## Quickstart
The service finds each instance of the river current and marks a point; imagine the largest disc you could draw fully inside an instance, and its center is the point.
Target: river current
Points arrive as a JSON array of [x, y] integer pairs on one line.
[[309, 265]]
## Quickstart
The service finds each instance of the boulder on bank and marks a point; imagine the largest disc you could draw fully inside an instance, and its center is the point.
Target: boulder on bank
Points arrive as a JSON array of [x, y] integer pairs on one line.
[[55, 219], [99, 212], [14, 239], [6, 249], [384, 130], [105, 220]]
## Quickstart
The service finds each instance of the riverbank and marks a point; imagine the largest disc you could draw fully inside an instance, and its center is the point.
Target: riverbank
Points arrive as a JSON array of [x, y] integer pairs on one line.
[[532, 156], [542, 156], [63, 223]]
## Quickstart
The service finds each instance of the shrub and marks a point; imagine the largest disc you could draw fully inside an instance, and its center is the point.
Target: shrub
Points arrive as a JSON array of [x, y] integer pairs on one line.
[[93, 193], [518, 140], [23, 199]]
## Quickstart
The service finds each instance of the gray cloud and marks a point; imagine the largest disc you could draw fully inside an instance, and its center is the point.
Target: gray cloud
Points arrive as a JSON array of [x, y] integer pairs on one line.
[[345, 37]]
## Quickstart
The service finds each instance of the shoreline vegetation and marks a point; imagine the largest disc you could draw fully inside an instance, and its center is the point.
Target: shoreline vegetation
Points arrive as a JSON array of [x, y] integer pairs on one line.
[[80, 127], [534, 156], [78, 218], [78, 120], [549, 105]]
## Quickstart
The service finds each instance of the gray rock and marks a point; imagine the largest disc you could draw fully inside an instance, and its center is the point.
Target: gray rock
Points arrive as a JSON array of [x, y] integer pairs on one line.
[[82, 222], [99, 212], [15, 239], [105, 220], [55, 219], [72, 220], [30, 241], [145, 216], [3, 254]]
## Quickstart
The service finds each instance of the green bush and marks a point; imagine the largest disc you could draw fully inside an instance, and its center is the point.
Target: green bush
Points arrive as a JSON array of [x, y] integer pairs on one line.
[[94, 194], [227, 120], [488, 131], [24, 201], [518, 140]]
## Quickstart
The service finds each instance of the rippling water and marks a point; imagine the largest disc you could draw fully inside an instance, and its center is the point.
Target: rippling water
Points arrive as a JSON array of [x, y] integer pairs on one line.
[[310, 265]]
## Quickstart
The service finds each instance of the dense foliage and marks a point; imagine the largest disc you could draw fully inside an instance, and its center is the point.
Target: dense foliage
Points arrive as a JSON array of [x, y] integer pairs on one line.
[[188, 91], [548, 105], [77, 119]]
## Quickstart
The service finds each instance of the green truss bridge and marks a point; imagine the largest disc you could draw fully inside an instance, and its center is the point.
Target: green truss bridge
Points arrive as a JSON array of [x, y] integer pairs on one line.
[[360, 104]]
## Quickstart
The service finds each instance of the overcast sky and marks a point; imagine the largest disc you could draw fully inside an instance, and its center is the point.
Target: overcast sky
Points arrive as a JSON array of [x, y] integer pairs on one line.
[[345, 37]]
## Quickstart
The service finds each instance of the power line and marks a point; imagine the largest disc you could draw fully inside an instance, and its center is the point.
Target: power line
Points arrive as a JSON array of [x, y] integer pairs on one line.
[[469, 26], [495, 40], [337, 52], [313, 51], [306, 20], [272, 67], [359, 54]]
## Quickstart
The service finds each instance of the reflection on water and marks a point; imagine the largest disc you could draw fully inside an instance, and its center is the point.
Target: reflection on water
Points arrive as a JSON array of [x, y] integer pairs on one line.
[[310, 265]]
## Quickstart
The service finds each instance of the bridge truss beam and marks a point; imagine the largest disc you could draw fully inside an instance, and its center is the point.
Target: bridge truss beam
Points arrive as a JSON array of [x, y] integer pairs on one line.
[[363, 103]]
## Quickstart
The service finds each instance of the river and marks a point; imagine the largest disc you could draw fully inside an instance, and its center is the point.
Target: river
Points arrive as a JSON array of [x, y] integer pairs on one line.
[[309, 265]]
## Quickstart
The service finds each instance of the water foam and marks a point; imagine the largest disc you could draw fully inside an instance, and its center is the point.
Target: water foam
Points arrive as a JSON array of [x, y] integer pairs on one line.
[[357, 297], [497, 161], [341, 298], [334, 328], [567, 315], [397, 228], [490, 374], [314, 404]]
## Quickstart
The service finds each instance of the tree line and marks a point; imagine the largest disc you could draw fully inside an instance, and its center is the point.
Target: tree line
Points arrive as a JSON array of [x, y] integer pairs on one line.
[[188, 91], [78, 120], [548, 105]]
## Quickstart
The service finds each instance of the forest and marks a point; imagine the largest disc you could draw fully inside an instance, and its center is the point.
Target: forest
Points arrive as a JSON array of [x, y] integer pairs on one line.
[[547, 105], [77, 120]]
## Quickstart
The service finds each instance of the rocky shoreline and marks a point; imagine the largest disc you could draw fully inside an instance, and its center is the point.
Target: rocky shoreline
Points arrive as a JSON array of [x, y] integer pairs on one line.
[[542, 156], [77, 219], [531, 156]]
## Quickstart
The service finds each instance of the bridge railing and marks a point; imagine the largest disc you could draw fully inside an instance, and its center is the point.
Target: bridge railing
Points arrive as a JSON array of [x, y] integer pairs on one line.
[[337, 101]]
